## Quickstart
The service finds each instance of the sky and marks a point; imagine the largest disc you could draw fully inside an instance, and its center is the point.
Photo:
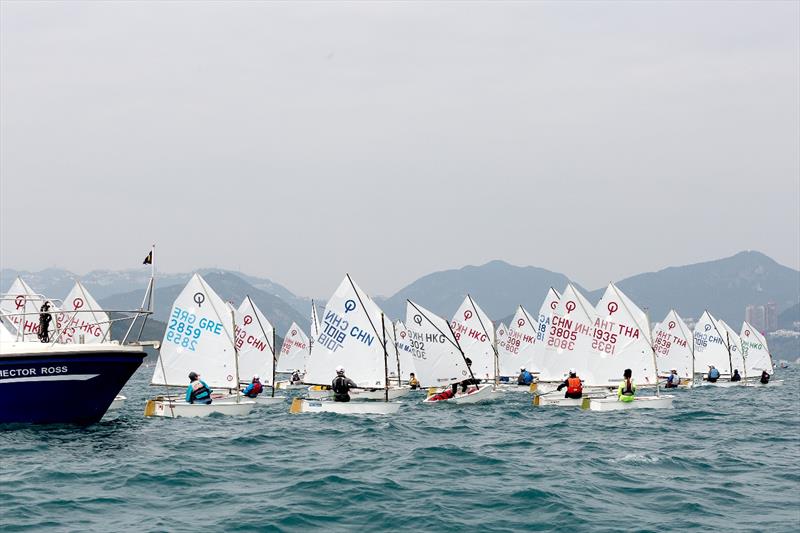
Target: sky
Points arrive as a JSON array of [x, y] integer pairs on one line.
[[390, 140]]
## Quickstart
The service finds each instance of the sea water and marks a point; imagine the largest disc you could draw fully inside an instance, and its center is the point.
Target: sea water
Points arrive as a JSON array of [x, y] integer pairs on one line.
[[724, 459]]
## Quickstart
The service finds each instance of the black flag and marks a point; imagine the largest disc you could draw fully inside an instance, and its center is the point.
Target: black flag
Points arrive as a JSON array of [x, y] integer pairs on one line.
[[149, 259]]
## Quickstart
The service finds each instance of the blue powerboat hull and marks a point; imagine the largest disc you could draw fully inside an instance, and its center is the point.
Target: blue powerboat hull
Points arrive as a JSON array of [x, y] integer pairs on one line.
[[56, 384]]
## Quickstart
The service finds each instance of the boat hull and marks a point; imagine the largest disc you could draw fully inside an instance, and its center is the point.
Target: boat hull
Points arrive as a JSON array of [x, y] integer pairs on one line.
[[285, 385], [75, 384], [174, 408], [643, 402], [262, 399], [300, 405], [513, 387], [557, 399], [315, 392], [473, 395], [380, 394]]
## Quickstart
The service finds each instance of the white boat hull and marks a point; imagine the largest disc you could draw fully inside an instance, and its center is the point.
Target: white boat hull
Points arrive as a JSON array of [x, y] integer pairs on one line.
[[723, 384], [364, 394], [473, 395], [641, 402], [173, 408], [113, 411], [300, 405], [265, 399], [557, 399], [513, 387], [315, 393], [285, 385], [117, 404]]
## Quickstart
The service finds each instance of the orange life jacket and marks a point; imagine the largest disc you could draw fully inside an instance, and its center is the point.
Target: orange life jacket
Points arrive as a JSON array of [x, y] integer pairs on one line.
[[574, 385]]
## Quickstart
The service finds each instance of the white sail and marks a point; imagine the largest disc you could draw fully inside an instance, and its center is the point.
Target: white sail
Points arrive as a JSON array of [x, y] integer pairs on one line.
[[404, 350], [475, 333], [546, 360], [518, 349], [570, 341], [353, 334], [629, 344], [294, 351], [755, 350], [199, 338], [734, 344], [674, 345], [710, 346], [314, 325], [20, 306], [438, 358], [254, 338], [81, 319], [5, 333]]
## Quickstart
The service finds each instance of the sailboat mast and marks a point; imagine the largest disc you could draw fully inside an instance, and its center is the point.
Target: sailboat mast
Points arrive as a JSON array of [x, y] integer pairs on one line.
[[274, 361], [652, 350], [385, 361], [236, 354], [396, 354]]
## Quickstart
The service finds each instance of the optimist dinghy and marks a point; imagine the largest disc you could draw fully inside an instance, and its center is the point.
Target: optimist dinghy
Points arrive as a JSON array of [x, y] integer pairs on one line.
[[473, 395], [255, 342], [641, 402], [200, 337], [354, 334], [438, 358]]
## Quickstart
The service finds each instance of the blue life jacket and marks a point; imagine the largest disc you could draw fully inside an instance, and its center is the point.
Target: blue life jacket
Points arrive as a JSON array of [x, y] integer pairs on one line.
[[713, 373], [200, 394]]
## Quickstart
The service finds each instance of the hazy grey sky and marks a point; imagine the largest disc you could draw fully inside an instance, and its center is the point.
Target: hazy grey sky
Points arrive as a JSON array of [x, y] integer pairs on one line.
[[300, 141]]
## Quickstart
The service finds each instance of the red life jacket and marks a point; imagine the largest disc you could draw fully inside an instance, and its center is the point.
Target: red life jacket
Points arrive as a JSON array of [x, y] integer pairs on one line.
[[574, 385], [257, 389]]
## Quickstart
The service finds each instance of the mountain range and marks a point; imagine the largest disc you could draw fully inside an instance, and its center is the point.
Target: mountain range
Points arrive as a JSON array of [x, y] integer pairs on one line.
[[723, 286]]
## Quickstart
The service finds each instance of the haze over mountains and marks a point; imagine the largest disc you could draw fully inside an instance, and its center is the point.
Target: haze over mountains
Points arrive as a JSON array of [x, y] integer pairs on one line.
[[724, 286]]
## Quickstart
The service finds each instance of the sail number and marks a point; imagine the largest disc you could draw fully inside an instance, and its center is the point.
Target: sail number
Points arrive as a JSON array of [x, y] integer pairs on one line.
[[185, 329]]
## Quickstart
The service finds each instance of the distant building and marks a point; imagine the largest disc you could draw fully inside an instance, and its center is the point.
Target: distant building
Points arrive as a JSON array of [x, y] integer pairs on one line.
[[771, 318], [755, 316], [762, 317]]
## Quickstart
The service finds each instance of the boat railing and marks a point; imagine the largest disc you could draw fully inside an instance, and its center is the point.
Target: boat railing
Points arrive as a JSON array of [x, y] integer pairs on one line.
[[65, 320]]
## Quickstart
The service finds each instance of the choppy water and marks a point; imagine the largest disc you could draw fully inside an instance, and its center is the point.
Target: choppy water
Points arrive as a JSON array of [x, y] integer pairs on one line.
[[723, 459]]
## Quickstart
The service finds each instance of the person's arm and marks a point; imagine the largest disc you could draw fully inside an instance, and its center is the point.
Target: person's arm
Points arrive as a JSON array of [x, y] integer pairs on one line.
[[562, 385], [351, 384], [207, 387], [247, 389], [189, 394]]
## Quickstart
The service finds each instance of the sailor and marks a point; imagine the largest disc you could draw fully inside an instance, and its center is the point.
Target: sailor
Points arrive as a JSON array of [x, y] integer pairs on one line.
[[764, 377], [197, 391], [713, 374], [413, 382], [627, 388], [573, 385], [736, 376], [44, 322], [467, 382], [255, 388], [525, 377], [673, 380], [296, 378], [341, 386]]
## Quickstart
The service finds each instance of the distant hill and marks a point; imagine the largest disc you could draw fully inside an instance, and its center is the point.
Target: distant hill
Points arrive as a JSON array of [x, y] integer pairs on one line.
[[788, 318], [724, 287], [230, 287], [56, 283], [497, 287]]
